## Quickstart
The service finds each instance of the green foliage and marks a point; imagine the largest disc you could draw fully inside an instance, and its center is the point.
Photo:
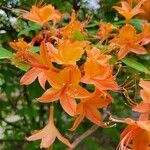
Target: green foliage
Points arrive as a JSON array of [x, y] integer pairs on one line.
[[131, 62]]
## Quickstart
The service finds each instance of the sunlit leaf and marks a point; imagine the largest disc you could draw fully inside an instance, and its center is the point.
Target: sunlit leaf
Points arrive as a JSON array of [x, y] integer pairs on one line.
[[135, 64], [4, 53]]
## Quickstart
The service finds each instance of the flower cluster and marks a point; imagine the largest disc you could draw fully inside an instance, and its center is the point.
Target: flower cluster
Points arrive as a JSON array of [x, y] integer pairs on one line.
[[69, 62]]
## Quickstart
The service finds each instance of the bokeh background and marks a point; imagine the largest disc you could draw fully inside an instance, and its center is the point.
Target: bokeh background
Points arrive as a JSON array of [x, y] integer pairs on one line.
[[20, 113]]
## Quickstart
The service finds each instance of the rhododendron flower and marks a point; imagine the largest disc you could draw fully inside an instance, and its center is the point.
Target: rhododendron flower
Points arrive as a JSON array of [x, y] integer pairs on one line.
[[49, 133], [20, 45], [136, 135], [68, 52], [127, 11], [129, 41], [144, 106], [145, 34], [96, 54], [65, 87], [99, 75], [104, 31], [42, 15], [145, 6], [145, 93], [39, 64], [74, 27], [88, 107]]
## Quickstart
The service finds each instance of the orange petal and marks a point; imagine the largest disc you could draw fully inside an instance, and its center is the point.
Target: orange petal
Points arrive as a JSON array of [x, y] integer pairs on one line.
[[36, 136], [68, 104], [79, 92], [142, 108], [49, 96], [63, 139], [47, 141], [94, 115], [30, 76], [77, 122], [42, 79]]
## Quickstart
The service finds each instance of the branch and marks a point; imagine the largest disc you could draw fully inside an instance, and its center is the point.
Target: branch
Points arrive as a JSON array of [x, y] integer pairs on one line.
[[84, 135], [88, 132]]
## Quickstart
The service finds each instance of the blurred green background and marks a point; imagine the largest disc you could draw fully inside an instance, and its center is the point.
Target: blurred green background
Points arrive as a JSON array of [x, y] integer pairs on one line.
[[20, 113]]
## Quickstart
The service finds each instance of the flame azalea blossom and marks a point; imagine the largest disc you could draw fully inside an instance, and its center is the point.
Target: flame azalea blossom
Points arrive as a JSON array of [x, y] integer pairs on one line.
[[39, 64], [42, 15], [146, 14], [145, 34], [136, 135], [65, 87], [104, 31], [144, 106], [49, 133], [74, 27], [129, 41], [88, 107], [68, 52], [21, 47], [101, 58], [127, 11], [99, 75]]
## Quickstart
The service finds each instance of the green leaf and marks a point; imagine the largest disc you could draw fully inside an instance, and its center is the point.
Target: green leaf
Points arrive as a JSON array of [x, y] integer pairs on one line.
[[137, 23], [21, 65], [78, 36], [33, 27], [131, 62], [4, 53], [35, 49]]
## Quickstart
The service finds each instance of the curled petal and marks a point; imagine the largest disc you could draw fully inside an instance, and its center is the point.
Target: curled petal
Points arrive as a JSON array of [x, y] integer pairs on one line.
[[68, 104]]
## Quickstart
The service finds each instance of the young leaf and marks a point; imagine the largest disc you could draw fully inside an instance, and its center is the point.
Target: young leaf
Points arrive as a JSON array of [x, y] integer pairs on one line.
[[34, 27], [137, 23], [4, 53], [136, 65], [35, 49]]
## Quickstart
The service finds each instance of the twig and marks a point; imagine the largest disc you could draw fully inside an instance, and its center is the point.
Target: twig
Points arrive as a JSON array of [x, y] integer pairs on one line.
[[84, 135], [87, 133]]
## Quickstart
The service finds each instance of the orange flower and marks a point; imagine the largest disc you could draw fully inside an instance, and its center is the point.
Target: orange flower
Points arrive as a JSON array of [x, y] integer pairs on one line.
[[145, 34], [74, 27], [129, 41], [136, 135], [65, 87], [42, 15], [104, 31], [145, 6], [20, 45], [99, 75], [127, 11], [39, 63], [95, 53], [68, 52], [49, 133], [88, 107], [144, 106]]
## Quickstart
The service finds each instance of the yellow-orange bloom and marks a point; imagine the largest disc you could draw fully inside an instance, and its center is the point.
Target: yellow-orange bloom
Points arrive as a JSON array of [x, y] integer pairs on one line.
[[104, 31], [88, 107], [127, 11], [65, 87], [42, 15], [74, 27], [136, 135], [128, 41], [49, 133], [99, 75], [68, 52]]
